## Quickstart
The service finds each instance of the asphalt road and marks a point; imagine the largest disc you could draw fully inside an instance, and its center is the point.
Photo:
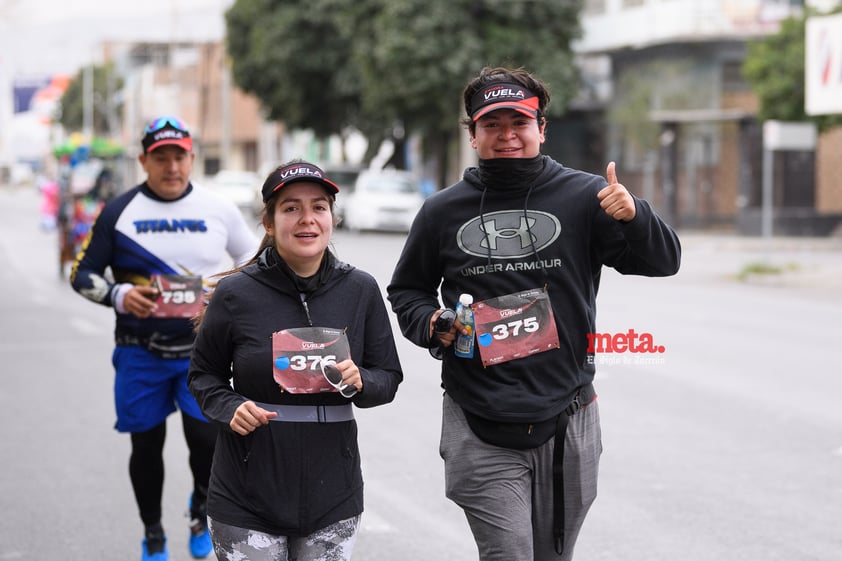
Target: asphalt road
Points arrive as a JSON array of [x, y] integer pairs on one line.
[[726, 446]]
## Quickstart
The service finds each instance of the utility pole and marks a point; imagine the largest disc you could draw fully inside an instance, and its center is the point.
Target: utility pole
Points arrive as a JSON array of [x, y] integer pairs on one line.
[[225, 83], [88, 101]]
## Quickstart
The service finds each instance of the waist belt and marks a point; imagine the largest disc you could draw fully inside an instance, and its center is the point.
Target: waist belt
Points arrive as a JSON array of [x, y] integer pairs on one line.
[[310, 413], [583, 397], [125, 339], [158, 346]]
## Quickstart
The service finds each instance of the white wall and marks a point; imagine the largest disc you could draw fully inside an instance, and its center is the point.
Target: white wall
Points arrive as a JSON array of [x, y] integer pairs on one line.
[[664, 21]]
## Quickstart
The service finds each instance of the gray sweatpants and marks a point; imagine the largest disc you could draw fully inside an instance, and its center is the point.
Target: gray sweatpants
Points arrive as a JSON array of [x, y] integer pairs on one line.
[[507, 494]]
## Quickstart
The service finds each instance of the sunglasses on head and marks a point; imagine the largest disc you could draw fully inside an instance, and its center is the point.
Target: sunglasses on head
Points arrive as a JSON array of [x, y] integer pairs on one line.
[[162, 122], [334, 378]]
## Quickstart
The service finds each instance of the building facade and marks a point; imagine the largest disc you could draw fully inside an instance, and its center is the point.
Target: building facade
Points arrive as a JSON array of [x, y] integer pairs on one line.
[[664, 97], [192, 80]]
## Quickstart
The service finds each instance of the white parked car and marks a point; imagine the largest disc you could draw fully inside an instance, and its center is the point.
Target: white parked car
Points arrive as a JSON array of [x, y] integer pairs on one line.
[[383, 200], [240, 187]]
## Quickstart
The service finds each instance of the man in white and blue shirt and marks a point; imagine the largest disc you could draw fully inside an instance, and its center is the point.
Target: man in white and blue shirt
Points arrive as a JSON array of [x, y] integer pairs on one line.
[[160, 240]]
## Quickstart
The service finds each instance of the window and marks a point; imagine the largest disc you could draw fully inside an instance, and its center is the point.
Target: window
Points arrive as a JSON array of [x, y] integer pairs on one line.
[[593, 7], [732, 77]]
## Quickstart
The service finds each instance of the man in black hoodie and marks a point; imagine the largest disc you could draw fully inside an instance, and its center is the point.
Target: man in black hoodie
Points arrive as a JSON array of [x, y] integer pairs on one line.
[[527, 238]]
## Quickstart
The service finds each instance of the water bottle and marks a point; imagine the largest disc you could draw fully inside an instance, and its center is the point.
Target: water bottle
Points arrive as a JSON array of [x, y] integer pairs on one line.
[[464, 344]]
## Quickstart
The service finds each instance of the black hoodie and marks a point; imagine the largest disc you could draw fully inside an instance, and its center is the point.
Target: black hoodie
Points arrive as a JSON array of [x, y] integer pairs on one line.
[[288, 478], [549, 231]]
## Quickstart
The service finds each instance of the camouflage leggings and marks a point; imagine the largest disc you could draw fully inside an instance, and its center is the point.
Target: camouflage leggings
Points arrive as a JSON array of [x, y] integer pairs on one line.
[[333, 543]]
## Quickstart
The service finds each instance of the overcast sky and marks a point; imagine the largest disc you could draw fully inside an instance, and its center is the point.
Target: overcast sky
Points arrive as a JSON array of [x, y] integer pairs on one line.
[[45, 37]]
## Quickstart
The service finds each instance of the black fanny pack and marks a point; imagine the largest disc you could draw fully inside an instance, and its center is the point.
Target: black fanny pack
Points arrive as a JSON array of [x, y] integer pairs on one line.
[[161, 346], [522, 436], [519, 436]]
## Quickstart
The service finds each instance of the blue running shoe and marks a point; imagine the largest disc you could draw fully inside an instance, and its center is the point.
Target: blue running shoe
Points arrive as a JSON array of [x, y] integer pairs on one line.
[[201, 544], [200, 540], [154, 548]]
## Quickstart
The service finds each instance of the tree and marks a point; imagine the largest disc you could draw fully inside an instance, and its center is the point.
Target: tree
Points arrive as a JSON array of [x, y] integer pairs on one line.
[[418, 55], [387, 66], [105, 109], [774, 66], [293, 56]]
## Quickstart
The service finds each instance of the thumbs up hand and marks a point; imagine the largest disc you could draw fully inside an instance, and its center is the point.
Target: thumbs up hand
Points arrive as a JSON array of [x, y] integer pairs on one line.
[[615, 199]]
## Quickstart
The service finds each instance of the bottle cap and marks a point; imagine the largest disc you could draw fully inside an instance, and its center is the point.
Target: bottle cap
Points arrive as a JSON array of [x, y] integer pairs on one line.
[[466, 299]]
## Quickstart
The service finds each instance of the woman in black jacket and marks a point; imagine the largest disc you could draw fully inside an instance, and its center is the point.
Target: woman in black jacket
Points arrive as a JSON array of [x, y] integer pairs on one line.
[[286, 479]]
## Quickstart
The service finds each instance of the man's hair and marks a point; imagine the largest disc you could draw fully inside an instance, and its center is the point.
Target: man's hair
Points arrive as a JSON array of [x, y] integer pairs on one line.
[[490, 75]]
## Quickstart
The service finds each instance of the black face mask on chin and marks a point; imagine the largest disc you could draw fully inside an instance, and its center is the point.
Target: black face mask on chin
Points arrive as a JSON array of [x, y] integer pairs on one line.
[[509, 173]]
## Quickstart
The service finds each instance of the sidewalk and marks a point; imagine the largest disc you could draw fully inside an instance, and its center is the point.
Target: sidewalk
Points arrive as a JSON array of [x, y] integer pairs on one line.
[[732, 242], [788, 262]]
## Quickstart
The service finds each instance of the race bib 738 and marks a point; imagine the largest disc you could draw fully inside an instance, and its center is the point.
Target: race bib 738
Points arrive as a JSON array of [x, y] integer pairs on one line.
[[179, 296]]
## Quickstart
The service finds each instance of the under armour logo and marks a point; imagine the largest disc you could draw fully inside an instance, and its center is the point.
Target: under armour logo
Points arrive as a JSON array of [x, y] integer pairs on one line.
[[493, 233], [508, 234]]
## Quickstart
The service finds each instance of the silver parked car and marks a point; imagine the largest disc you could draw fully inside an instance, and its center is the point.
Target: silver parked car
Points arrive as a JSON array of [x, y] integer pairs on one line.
[[383, 200], [240, 187]]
